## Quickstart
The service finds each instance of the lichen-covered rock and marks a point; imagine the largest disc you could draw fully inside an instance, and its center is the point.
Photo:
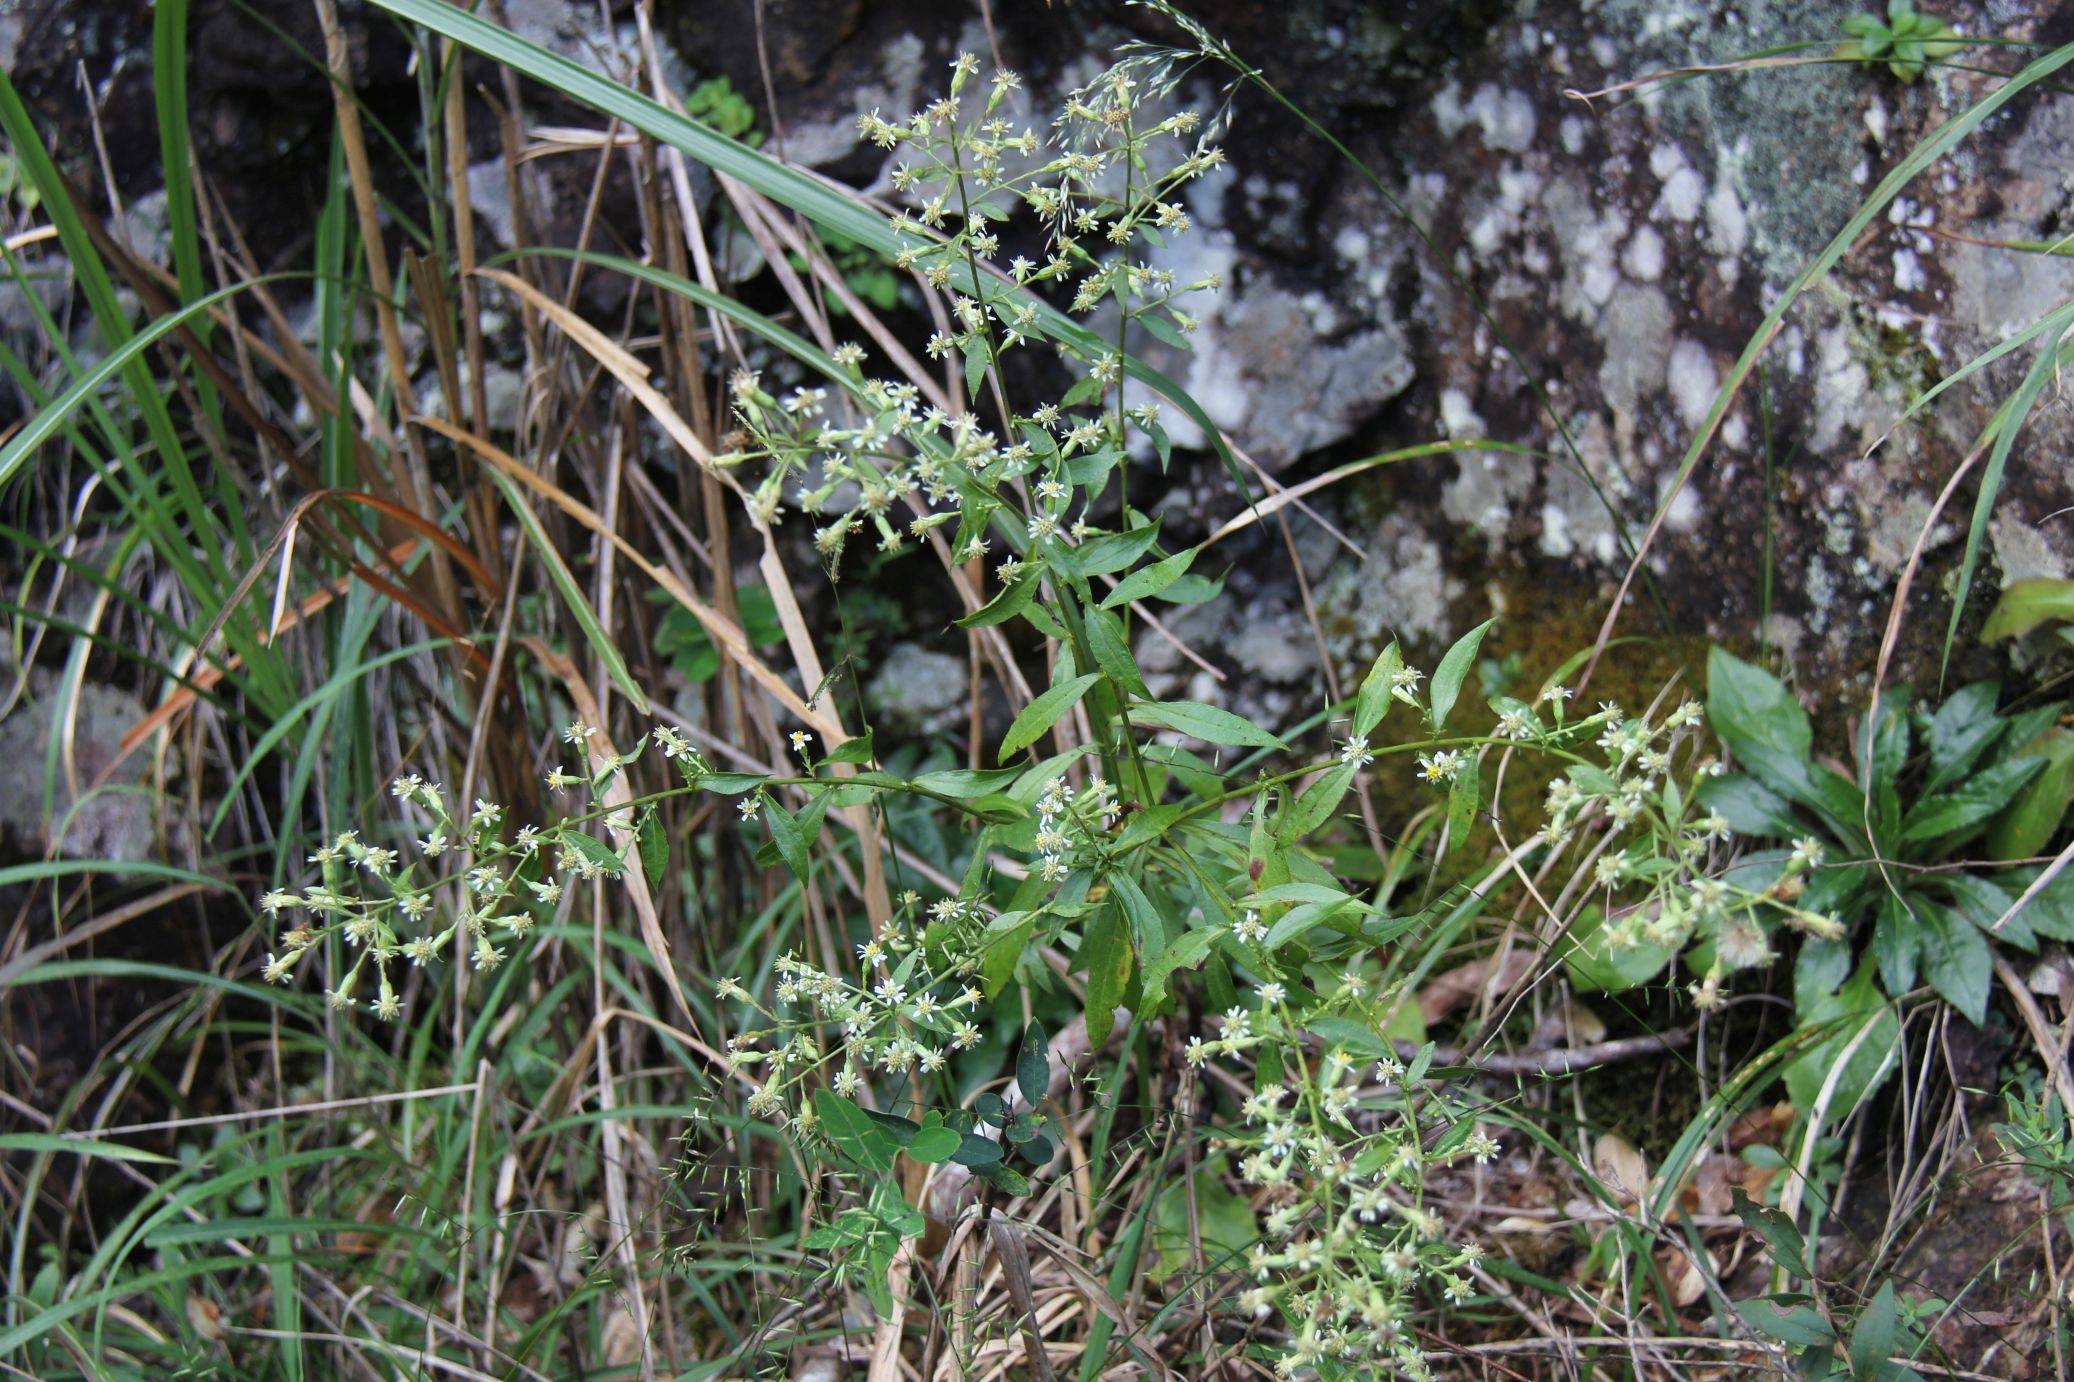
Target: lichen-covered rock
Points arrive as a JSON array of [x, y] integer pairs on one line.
[[1557, 285]]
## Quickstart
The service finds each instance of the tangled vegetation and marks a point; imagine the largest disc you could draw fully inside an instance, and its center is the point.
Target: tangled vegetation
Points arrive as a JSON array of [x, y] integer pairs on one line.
[[549, 970]]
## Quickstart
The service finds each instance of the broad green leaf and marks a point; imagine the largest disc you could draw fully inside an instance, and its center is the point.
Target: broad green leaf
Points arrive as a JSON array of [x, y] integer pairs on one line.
[[1162, 330], [1896, 943], [1148, 930], [1759, 720], [730, 784], [932, 1145], [1188, 952], [1300, 919], [1957, 962], [1454, 669], [1008, 602], [1113, 654], [976, 1151], [1969, 803], [1282, 893], [1462, 801], [790, 837], [1372, 701], [1192, 589], [1113, 551], [2027, 604], [1882, 754], [1033, 1065], [1006, 1178], [855, 1136], [1004, 951], [964, 784], [1788, 1246], [1857, 1018], [1597, 965], [1356, 1038], [1749, 807], [1961, 731], [976, 361], [2025, 826], [1204, 722], [655, 847], [1873, 1333], [1984, 902], [596, 851], [900, 1130], [1148, 581], [1044, 712], [1798, 1326], [1106, 947], [1317, 803], [856, 749]]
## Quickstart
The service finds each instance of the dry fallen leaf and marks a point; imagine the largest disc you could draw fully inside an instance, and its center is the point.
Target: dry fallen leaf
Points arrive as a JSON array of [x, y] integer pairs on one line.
[[1761, 1125], [1587, 1028], [1706, 1191], [622, 1342], [1624, 1169], [1687, 1281], [206, 1316], [1457, 986]]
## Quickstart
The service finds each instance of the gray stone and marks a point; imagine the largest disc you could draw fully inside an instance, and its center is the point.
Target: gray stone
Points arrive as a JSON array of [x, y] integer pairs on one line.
[[113, 820], [918, 690]]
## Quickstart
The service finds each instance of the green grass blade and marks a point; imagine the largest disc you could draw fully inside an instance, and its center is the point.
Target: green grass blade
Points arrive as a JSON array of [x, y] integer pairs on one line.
[[121, 360], [595, 633], [176, 156], [2009, 420], [54, 1143]]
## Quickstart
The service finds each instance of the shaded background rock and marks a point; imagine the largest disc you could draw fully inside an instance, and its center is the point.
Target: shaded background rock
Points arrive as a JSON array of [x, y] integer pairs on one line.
[[1588, 274], [79, 740], [1571, 279]]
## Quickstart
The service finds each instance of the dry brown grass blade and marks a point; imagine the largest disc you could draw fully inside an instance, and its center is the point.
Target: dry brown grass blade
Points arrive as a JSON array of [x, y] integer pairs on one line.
[[776, 237], [1014, 1258], [1098, 1297], [2051, 1046], [727, 636], [1701, 69], [208, 676], [725, 633], [767, 225], [619, 820], [627, 368], [1284, 496], [351, 137], [620, 363], [104, 922], [1890, 635]]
